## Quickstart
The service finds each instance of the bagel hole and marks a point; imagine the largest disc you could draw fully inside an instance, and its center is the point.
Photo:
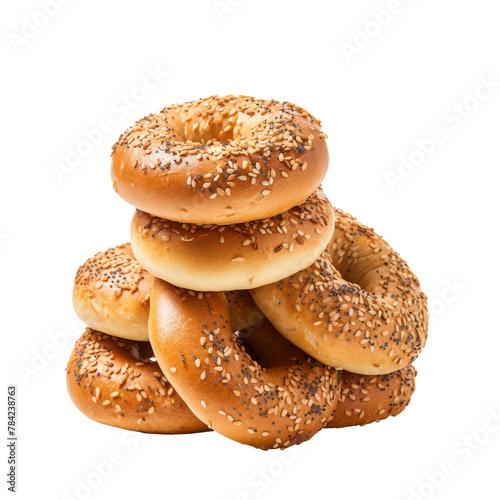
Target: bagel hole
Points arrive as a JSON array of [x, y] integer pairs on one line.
[[220, 128], [359, 273], [267, 348], [242, 339], [142, 351]]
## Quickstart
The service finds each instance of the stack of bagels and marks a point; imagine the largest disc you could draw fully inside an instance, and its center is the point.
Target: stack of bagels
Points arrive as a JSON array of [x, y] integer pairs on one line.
[[245, 303]]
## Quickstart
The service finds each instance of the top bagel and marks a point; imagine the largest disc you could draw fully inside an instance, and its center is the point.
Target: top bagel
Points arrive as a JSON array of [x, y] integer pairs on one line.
[[220, 160]]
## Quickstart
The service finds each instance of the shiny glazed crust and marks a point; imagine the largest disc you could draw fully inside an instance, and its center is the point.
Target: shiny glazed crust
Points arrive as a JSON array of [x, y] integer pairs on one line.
[[220, 160], [221, 383]]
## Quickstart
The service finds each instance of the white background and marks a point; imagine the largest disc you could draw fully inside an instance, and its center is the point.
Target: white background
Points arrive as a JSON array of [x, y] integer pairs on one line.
[[377, 95]]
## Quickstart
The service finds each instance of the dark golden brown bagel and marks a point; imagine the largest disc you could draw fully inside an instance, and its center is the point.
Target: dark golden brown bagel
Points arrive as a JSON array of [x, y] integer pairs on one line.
[[370, 398], [233, 257], [358, 306], [111, 295], [227, 389], [114, 382], [220, 160]]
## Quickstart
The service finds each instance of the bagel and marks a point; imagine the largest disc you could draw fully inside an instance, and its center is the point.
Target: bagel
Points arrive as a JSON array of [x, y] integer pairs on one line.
[[111, 295], [220, 160], [233, 257], [227, 389], [114, 382], [358, 307]]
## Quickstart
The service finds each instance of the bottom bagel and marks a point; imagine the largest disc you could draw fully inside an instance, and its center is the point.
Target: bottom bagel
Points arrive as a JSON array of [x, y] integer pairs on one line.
[[115, 382]]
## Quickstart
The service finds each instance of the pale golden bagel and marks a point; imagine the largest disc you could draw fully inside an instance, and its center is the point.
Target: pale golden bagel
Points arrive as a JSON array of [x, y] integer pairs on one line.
[[111, 295], [114, 382], [220, 160], [233, 257], [358, 306], [223, 386]]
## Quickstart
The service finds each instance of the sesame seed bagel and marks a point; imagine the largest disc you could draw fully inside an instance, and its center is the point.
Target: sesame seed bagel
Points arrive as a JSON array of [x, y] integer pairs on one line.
[[363, 399], [358, 306], [233, 257], [221, 383], [366, 399], [220, 160], [114, 382], [111, 294]]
